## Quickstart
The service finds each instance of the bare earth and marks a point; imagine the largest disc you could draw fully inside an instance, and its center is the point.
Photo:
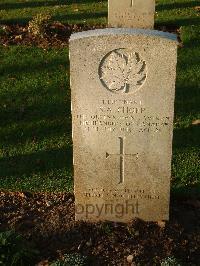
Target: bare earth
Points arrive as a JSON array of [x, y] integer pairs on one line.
[[48, 220]]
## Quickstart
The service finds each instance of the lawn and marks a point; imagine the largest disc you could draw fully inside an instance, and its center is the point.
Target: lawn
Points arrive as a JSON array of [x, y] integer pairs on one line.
[[66, 11], [35, 121], [35, 149]]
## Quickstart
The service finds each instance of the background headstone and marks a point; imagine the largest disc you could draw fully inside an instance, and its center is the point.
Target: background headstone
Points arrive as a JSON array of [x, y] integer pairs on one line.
[[123, 87], [131, 13]]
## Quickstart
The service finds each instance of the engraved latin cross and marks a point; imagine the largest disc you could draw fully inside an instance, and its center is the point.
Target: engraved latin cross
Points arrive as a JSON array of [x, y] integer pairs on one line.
[[122, 155]]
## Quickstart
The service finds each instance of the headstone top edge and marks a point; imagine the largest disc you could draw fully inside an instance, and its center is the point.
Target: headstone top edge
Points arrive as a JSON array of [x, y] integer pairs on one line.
[[123, 31]]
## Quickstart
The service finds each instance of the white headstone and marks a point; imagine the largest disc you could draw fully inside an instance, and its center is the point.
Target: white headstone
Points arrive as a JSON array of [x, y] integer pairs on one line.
[[131, 13], [123, 86]]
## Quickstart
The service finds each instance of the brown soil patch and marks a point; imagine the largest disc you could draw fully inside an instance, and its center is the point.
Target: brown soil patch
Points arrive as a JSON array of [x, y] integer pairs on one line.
[[57, 34], [48, 220]]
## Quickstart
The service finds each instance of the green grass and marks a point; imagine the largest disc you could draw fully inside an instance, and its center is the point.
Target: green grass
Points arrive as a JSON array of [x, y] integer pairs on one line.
[[35, 121], [178, 12], [35, 134], [67, 11], [186, 145]]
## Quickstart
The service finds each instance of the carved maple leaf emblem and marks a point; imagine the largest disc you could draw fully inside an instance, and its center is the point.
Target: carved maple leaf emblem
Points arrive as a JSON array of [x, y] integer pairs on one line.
[[122, 71]]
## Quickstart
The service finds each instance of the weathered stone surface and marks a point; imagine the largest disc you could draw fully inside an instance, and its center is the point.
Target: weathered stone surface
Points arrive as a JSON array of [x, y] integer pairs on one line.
[[123, 86], [131, 13]]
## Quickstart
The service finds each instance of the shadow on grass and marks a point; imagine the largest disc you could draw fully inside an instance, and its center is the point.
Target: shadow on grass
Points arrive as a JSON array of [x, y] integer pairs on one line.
[[170, 6], [22, 111], [187, 100], [36, 67], [14, 21], [37, 162], [187, 137], [37, 111], [194, 42], [36, 132], [81, 16], [188, 86], [38, 115], [187, 89], [70, 18], [30, 4], [186, 192], [178, 22], [186, 140]]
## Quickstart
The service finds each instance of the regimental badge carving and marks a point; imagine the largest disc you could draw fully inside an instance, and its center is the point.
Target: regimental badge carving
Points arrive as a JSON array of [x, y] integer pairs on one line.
[[122, 71]]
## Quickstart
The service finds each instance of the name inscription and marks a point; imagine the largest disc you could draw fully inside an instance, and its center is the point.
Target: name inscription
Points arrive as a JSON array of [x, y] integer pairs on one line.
[[122, 116]]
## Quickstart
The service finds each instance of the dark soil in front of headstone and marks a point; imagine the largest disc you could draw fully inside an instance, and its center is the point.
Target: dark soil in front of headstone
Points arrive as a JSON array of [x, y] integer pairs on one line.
[[48, 221], [57, 34]]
